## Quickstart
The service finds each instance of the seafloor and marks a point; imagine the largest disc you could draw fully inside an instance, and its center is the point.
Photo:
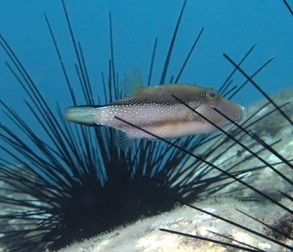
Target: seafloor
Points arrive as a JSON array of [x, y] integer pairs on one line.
[[145, 236]]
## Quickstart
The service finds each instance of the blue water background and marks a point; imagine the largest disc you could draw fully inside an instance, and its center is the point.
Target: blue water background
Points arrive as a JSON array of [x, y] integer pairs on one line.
[[230, 26]]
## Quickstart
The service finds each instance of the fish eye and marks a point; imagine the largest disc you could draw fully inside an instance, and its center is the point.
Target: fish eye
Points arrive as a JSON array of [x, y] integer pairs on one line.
[[211, 93]]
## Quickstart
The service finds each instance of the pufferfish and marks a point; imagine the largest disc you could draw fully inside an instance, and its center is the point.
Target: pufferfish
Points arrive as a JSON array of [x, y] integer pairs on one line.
[[154, 109]]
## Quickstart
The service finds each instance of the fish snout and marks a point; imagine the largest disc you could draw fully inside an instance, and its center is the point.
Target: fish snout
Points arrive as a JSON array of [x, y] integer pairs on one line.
[[229, 112], [223, 111], [237, 113]]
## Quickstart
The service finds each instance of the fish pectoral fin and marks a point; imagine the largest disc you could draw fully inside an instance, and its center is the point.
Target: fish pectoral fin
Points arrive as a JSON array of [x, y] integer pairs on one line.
[[122, 140], [133, 82]]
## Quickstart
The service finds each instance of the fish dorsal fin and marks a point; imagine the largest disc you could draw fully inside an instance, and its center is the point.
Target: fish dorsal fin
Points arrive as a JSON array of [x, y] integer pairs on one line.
[[133, 82]]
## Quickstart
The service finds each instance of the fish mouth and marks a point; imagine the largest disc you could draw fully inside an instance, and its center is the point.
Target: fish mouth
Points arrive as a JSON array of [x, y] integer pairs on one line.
[[236, 115], [225, 115]]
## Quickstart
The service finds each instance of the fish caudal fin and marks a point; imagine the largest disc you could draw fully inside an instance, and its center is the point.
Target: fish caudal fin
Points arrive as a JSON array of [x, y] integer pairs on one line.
[[83, 115]]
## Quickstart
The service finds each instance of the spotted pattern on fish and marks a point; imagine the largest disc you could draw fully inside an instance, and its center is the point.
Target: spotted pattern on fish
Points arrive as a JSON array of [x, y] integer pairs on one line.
[[155, 110]]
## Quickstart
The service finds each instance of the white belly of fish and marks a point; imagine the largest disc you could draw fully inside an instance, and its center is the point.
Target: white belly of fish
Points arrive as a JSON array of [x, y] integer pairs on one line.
[[165, 121]]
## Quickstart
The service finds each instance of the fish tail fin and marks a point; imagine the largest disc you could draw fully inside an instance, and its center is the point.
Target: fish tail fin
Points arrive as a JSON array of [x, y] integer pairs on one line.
[[86, 115]]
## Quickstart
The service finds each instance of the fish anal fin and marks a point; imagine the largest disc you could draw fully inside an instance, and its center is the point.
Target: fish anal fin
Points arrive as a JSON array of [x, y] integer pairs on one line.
[[122, 140]]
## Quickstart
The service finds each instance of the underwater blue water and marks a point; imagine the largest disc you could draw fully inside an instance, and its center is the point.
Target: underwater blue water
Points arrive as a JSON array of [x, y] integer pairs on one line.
[[230, 26]]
